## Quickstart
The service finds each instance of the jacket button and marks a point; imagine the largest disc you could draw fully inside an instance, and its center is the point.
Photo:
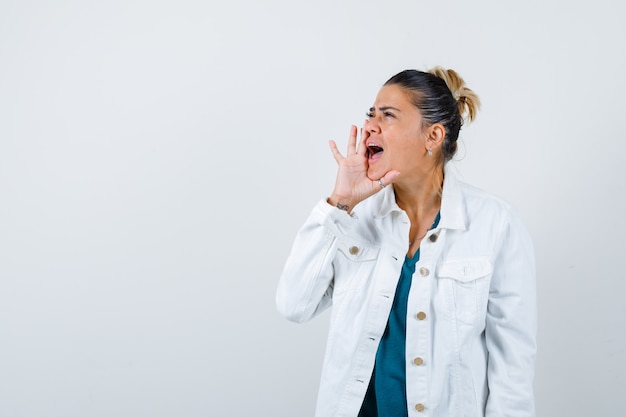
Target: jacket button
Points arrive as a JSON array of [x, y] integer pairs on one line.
[[433, 237], [421, 315], [419, 407], [424, 271], [418, 361], [353, 250]]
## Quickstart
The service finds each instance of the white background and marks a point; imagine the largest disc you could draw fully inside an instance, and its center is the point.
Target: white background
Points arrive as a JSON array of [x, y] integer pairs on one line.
[[157, 158]]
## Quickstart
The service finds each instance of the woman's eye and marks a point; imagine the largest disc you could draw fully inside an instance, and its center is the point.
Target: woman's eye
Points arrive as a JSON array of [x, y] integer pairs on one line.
[[369, 114], [387, 114]]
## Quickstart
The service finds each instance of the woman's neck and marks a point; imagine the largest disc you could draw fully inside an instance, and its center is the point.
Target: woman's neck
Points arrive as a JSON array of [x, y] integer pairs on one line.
[[421, 201], [421, 197]]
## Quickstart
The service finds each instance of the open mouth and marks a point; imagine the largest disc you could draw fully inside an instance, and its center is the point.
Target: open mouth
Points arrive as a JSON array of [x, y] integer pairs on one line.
[[374, 151]]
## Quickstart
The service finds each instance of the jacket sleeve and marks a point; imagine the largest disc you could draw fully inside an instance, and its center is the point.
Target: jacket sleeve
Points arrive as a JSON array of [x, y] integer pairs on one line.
[[511, 325], [306, 284]]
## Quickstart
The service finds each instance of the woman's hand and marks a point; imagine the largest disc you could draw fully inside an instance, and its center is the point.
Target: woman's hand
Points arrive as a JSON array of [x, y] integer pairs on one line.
[[353, 185]]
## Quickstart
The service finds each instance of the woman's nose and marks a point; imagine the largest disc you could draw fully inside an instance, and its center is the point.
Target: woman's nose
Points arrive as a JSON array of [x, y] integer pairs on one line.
[[372, 125]]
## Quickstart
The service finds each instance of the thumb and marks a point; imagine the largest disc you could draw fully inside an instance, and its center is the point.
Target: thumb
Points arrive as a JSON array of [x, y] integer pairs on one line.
[[389, 177]]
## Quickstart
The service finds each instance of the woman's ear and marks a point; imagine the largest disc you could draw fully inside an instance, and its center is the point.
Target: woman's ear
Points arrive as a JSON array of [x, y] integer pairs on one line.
[[436, 133]]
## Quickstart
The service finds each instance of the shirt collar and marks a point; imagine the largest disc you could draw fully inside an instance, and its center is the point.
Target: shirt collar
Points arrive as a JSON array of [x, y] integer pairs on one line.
[[453, 213]]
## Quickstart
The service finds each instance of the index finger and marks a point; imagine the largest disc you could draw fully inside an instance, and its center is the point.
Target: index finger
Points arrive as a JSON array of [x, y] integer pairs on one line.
[[361, 149]]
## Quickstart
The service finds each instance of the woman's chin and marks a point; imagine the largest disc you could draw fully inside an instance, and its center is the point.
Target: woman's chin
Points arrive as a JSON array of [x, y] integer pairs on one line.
[[371, 174], [374, 174]]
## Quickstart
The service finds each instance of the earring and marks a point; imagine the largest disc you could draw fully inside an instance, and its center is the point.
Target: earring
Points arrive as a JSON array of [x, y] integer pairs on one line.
[[430, 152]]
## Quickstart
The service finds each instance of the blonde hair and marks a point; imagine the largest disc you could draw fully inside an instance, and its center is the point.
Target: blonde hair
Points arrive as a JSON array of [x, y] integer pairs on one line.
[[467, 100]]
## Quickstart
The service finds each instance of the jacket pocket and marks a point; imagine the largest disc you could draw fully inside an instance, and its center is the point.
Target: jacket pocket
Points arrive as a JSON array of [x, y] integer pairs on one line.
[[353, 265], [465, 287]]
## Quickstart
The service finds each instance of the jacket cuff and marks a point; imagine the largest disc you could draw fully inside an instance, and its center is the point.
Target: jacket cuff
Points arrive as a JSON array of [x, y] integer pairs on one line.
[[337, 221]]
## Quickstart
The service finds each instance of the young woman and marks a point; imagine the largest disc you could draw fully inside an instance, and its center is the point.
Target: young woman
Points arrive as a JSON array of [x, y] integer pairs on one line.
[[432, 281]]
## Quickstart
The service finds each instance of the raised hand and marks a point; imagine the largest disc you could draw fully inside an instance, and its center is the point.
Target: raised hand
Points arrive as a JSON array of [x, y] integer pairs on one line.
[[353, 185]]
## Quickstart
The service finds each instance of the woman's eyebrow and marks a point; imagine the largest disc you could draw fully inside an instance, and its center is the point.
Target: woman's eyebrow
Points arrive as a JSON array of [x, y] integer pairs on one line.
[[385, 108]]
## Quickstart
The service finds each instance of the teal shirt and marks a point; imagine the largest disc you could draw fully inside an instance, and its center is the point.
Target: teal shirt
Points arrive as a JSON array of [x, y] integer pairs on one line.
[[386, 393]]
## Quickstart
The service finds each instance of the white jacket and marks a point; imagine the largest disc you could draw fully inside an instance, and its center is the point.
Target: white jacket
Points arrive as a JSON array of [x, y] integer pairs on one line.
[[471, 317]]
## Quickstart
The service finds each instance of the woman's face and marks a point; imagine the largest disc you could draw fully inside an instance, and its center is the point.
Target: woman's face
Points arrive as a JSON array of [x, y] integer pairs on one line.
[[394, 136]]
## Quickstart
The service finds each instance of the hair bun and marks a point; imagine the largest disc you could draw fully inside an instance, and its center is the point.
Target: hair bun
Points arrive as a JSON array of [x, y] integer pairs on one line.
[[467, 100]]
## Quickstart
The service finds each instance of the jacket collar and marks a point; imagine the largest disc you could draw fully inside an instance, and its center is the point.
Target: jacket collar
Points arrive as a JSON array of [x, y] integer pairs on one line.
[[453, 213], [453, 205]]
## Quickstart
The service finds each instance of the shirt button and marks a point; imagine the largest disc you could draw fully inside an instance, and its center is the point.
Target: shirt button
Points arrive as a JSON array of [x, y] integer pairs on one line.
[[433, 237], [424, 271], [418, 361], [421, 315], [353, 250], [419, 407]]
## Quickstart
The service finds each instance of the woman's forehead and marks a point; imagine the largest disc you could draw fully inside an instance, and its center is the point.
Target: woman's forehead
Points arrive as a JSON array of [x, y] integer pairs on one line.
[[393, 96]]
